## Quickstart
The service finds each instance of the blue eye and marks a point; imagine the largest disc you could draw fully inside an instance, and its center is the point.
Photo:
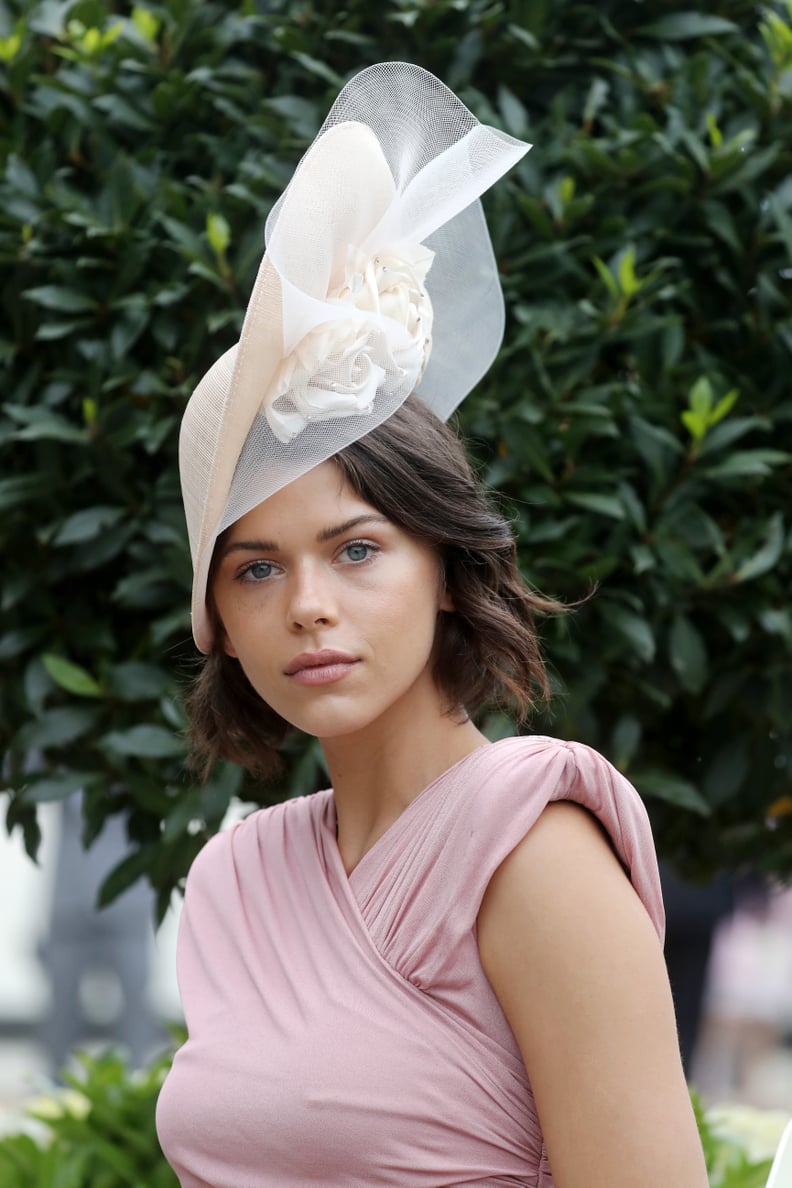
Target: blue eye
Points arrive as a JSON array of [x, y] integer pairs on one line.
[[257, 571], [357, 550]]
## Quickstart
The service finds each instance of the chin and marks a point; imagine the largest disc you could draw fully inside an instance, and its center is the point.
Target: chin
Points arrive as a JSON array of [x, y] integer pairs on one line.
[[324, 722], [328, 727]]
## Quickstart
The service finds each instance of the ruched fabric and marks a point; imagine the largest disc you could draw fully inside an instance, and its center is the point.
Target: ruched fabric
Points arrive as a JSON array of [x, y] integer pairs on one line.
[[341, 1029]]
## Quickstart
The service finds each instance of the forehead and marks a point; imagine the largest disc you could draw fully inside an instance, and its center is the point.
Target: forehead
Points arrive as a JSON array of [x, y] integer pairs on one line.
[[313, 500]]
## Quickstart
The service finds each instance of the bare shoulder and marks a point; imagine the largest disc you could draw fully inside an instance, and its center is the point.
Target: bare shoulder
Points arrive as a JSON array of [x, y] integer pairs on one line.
[[563, 901], [578, 969], [567, 853]]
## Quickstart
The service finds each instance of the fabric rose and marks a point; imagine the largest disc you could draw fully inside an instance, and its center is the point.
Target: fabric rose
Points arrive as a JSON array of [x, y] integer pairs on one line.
[[336, 369]]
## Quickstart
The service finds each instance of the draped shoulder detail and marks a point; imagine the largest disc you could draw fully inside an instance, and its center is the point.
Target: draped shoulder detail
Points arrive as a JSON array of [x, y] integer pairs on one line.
[[422, 895]]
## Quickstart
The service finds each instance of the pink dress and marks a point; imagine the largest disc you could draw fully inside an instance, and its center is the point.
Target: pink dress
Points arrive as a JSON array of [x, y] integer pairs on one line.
[[342, 1032]]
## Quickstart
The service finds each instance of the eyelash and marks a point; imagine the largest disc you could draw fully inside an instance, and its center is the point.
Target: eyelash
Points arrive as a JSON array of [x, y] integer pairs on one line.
[[373, 549], [361, 544]]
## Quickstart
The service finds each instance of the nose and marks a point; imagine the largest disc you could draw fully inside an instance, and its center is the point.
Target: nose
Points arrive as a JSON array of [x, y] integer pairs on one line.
[[311, 603]]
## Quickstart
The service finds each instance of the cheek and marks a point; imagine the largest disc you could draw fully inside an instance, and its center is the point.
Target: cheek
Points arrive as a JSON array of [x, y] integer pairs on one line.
[[243, 622], [224, 625], [406, 618], [228, 646]]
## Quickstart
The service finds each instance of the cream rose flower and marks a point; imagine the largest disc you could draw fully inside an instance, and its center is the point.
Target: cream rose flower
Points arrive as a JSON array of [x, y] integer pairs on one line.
[[337, 368]]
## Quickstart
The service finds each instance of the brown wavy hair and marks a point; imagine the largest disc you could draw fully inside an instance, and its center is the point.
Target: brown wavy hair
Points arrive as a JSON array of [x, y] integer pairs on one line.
[[413, 470]]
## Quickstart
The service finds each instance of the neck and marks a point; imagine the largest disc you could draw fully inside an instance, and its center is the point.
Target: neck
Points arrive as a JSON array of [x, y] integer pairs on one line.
[[377, 772]]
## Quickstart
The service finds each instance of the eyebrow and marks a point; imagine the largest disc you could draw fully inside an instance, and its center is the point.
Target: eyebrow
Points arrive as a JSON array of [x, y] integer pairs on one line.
[[326, 534]]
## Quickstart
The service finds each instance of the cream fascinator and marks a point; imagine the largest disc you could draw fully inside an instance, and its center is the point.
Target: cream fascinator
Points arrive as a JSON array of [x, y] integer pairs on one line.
[[378, 279]]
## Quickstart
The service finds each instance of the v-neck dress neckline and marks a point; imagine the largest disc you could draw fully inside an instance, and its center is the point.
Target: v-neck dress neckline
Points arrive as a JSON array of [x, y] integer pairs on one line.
[[397, 827]]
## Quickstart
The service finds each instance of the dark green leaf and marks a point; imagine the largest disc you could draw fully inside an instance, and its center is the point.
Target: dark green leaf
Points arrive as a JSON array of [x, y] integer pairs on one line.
[[121, 877], [60, 298], [681, 26], [134, 681], [748, 464], [688, 654], [604, 505], [634, 629], [768, 555], [86, 524], [56, 727], [40, 791], [666, 785], [145, 741]]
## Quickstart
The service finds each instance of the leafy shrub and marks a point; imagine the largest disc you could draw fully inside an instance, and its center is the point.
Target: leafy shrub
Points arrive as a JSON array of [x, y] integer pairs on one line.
[[726, 1136], [98, 1134], [638, 421]]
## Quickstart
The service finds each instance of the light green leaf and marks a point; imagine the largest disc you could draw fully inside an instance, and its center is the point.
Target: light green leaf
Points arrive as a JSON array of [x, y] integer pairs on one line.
[[218, 233], [695, 424], [607, 277], [146, 23], [715, 134], [10, 47], [723, 407], [71, 676], [700, 397], [626, 271], [566, 190]]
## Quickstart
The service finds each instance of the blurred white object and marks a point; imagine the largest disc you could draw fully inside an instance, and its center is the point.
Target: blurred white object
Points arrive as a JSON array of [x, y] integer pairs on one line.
[[781, 1171]]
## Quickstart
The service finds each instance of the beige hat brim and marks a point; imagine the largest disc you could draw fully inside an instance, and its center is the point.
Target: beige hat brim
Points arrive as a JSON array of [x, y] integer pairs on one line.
[[321, 212]]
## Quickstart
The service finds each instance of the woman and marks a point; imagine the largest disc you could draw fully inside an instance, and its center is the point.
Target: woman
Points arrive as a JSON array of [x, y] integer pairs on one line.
[[446, 969]]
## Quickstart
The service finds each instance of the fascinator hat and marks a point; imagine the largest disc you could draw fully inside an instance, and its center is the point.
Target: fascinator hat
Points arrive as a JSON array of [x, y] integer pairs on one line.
[[378, 279]]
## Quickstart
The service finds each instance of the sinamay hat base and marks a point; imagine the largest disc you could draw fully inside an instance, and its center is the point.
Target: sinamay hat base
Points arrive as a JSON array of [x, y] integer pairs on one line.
[[378, 280]]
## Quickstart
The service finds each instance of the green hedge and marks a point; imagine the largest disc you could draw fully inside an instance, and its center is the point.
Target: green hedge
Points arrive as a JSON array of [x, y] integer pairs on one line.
[[638, 420], [97, 1133]]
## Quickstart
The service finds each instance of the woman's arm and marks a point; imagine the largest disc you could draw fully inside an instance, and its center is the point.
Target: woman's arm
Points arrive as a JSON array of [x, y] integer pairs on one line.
[[578, 970]]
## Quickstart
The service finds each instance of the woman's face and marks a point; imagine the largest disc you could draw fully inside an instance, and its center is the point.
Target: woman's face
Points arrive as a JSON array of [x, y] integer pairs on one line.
[[330, 608]]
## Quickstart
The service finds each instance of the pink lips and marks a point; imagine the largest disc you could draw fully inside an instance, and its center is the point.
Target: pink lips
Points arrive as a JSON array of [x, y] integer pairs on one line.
[[320, 668]]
